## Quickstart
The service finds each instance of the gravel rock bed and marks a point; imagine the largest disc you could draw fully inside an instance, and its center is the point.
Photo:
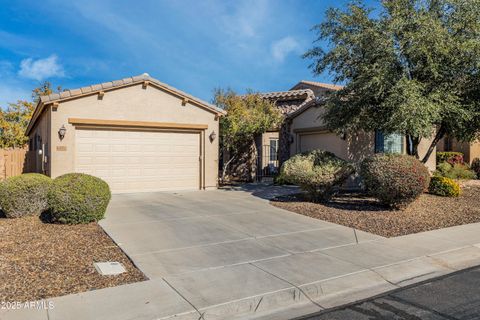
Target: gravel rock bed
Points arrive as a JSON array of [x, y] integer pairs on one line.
[[359, 211], [41, 260]]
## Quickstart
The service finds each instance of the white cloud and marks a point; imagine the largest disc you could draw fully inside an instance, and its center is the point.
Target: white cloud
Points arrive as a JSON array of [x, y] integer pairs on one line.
[[283, 47], [41, 69], [244, 19]]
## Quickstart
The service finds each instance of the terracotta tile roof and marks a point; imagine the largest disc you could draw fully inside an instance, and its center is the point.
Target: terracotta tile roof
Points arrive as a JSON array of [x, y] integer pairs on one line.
[[119, 83], [288, 95], [318, 84]]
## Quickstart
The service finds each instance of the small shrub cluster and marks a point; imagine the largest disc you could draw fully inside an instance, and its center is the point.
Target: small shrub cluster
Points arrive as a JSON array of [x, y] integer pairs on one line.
[[72, 198], [450, 157], [24, 195], [455, 171], [444, 187], [476, 167], [317, 172], [396, 180], [78, 198]]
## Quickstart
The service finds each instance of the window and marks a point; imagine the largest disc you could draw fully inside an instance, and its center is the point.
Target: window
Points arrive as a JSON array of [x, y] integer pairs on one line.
[[388, 143], [273, 149]]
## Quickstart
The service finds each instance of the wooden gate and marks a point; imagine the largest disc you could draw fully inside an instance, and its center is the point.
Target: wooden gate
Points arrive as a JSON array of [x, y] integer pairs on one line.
[[14, 162]]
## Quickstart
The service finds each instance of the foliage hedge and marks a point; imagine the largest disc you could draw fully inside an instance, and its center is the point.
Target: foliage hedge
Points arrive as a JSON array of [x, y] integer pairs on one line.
[[24, 195], [476, 167], [317, 172], [455, 171], [444, 187], [450, 157], [396, 180], [78, 198]]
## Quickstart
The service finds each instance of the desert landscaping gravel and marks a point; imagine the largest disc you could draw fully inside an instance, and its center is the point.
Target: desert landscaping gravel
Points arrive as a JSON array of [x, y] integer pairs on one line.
[[41, 260], [359, 211]]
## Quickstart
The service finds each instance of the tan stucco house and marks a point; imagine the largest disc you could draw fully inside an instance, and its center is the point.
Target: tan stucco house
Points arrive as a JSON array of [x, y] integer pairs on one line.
[[304, 129], [138, 134], [470, 150]]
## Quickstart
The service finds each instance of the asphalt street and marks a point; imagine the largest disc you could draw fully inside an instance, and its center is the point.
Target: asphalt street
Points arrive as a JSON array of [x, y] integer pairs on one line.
[[453, 297]]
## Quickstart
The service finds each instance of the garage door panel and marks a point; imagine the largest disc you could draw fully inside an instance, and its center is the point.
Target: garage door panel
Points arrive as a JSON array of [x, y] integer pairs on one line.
[[133, 161]]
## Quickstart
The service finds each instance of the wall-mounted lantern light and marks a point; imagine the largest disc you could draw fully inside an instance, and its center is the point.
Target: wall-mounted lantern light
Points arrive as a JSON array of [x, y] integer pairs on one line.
[[61, 132], [213, 136]]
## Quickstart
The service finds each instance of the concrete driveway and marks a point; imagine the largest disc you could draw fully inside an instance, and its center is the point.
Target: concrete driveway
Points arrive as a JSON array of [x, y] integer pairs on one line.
[[173, 234], [228, 252]]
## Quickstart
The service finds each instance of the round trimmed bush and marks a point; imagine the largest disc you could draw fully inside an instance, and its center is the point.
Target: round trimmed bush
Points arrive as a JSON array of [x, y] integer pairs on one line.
[[78, 198], [317, 172], [24, 195], [444, 187], [396, 180]]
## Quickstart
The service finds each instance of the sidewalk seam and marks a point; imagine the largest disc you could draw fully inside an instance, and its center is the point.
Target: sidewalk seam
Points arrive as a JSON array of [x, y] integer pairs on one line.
[[300, 289], [184, 298]]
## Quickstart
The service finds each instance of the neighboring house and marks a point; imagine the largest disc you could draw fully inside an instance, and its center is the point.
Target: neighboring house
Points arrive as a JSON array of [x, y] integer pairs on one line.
[[138, 134], [304, 129], [470, 150]]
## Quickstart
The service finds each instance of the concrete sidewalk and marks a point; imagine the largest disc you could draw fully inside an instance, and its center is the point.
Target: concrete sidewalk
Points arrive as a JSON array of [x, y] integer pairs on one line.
[[451, 297], [228, 254]]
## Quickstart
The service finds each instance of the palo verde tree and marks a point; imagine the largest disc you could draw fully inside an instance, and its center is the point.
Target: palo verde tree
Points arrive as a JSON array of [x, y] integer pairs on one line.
[[247, 117], [15, 118], [410, 67]]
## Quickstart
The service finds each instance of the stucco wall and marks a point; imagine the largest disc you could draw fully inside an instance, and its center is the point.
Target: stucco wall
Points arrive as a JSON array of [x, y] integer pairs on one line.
[[310, 125], [42, 129], [469, 150], [132, 103]]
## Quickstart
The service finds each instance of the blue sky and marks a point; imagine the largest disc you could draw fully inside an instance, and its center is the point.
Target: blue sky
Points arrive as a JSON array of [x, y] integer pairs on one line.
[[195, 46]]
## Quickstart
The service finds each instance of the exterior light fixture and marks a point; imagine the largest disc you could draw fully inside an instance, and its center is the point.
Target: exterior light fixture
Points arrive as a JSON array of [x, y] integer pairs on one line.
[[213, 136], [61, 132]]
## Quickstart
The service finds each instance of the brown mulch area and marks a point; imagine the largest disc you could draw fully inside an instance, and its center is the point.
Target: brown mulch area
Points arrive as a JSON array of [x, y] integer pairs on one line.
[[41, 260], [359, 211]]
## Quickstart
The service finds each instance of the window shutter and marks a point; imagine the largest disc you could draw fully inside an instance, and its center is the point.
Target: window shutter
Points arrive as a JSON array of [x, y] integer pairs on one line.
[[379, 142]]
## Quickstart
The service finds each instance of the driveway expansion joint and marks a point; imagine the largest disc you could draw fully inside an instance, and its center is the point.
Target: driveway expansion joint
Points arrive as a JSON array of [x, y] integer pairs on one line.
[[184, 298], [299, 289]]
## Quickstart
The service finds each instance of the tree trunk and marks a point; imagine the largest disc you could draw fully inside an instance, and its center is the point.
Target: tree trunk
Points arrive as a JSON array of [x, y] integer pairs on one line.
[[225, 167], [254, 161], [412, 145], [440, 134]]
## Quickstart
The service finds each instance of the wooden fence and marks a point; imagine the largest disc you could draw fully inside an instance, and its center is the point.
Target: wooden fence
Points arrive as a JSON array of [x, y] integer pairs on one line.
[[14, 162]]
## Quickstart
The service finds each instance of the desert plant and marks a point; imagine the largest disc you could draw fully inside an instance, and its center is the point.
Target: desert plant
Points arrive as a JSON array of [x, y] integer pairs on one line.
[[476, 167], [317, 172], [444, 187], [455, 171], [396, 180], [450, 157], [78, 198], [25, 194]]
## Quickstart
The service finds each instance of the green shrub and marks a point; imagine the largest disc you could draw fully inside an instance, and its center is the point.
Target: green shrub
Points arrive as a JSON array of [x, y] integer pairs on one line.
[[317, 172], [396, 180], [78, 198], [24, 195], [456, 171], [444, 187], [450, 157], [280, 180], [476, 167]]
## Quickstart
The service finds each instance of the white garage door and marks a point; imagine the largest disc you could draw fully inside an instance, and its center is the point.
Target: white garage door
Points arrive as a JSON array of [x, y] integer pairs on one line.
[[140, 161], [325, 141]]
